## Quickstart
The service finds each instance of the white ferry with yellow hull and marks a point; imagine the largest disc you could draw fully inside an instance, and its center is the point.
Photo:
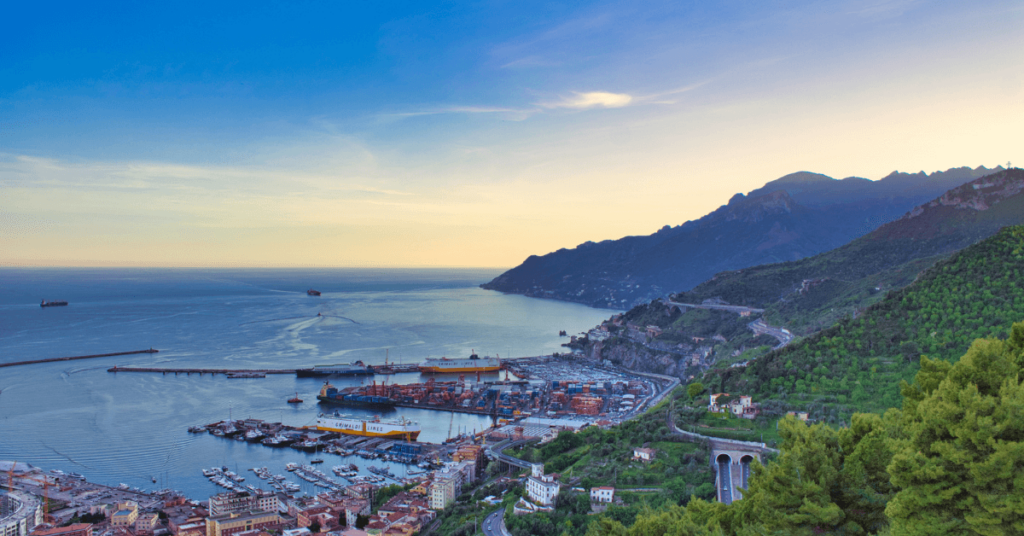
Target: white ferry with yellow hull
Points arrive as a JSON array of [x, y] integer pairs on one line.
[[474, 364], [375, 427]]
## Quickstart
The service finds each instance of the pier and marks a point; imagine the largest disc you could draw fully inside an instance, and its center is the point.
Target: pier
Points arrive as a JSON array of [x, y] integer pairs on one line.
[[72, 358], [238, 373]]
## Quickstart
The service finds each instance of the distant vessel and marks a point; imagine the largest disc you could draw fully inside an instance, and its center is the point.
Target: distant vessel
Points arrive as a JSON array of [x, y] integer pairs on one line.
[[295, 400], [55, 303], [331, 395], [474, 364], [312, 292], [341, 369], [348, 425]]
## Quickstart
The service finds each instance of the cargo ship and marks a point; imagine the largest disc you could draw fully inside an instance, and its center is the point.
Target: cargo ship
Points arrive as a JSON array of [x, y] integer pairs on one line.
[[331, 395], [312, 292], [375, 427], [55, 303], [341, 369], [473, 364]]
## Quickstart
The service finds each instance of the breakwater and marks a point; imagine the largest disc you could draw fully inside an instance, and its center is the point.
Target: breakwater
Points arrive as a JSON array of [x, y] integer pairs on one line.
[[73, 358]]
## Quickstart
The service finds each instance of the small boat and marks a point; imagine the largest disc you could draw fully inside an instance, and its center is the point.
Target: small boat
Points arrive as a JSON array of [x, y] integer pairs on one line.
[[58, 303], [295, 400], [316, 460], [312, 292]]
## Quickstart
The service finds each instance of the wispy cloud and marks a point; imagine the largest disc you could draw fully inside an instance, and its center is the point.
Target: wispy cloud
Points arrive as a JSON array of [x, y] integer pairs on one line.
[[591, 99]]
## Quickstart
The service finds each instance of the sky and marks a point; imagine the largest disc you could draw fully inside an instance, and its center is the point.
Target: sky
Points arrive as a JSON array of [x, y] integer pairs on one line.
[[466, 134]]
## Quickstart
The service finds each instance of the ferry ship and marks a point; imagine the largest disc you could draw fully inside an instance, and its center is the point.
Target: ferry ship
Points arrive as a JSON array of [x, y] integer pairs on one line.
[[474, 364], [341, 369], [348, 425]]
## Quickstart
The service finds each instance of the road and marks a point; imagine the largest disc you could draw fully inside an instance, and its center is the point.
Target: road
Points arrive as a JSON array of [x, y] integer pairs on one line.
[[497, 454], [782, 334], [732, 308], [758, 326], [494, 524]]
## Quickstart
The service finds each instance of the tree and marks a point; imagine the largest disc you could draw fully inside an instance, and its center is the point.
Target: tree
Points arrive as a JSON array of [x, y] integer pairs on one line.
[[957, 462], [694, 389], [362, 521]]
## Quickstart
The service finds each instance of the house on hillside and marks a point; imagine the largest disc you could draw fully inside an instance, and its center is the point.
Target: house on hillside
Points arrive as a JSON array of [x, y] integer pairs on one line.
[[644, 454], [741, 406]]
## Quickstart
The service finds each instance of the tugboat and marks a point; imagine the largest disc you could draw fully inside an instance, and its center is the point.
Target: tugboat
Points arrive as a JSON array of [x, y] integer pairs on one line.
[[295, 400], [310, 292]]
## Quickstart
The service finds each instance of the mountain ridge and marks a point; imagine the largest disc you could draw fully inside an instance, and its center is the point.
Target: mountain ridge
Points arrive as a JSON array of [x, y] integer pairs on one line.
[[795, 216]]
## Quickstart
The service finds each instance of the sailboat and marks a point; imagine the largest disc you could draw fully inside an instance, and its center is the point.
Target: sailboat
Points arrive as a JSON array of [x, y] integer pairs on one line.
[[315, 451]]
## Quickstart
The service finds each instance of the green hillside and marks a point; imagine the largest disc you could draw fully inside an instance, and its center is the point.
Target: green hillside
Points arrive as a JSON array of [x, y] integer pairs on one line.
[[859, 363], [815, 292]]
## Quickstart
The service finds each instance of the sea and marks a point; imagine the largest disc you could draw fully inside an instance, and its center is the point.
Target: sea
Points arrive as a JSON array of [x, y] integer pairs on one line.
[[131, 428]]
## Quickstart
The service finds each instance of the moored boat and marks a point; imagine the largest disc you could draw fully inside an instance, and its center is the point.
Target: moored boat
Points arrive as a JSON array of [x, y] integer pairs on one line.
[[340, 369], [375, 427], [331, 395], [474, 363]]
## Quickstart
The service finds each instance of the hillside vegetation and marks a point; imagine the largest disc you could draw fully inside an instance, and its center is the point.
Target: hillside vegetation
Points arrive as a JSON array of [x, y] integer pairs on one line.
[[860, 362], [945, 463]]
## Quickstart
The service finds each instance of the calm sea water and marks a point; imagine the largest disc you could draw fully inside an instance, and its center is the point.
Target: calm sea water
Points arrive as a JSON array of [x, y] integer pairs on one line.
[[131, 427]]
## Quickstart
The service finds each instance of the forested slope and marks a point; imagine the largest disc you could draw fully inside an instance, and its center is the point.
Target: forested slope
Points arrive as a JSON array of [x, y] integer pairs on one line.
[[859, 363]]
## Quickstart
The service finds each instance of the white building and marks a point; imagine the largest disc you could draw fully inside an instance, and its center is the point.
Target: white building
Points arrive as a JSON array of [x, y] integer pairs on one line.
[[644, 454], [444, 489], [541, 488], [603, 494], [19, 513]]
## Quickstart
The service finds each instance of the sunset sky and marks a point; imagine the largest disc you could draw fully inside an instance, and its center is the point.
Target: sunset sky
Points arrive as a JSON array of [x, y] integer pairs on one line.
[[466, 134]]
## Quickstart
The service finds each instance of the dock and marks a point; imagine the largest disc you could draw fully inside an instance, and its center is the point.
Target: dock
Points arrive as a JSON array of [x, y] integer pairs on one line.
[[73, 358]]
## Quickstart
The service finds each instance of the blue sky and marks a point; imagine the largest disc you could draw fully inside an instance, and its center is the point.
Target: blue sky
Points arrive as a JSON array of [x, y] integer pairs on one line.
[[466, 134]]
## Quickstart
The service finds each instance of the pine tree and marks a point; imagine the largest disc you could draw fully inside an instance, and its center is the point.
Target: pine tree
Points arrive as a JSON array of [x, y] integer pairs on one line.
[[958, 464]]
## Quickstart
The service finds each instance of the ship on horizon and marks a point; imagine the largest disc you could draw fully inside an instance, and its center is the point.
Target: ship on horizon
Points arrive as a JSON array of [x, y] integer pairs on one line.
[[474, 363], [373, 427], [55, 303]]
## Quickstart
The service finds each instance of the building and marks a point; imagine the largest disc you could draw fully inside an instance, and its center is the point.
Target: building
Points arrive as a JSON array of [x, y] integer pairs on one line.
[[444, 489], [146, 523], [470, 453], [644, 454], [76, 529], [124, 515], [230, 524], [741, 406], [541, 488], [243, 501], [603, 494]]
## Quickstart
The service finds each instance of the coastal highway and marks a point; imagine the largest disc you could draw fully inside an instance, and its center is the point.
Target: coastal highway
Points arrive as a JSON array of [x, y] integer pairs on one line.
[[782, 334], [719, 307]]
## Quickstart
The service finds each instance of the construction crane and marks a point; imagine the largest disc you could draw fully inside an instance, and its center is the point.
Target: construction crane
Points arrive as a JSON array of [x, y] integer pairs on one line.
[[46, 490], [10, 476]]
